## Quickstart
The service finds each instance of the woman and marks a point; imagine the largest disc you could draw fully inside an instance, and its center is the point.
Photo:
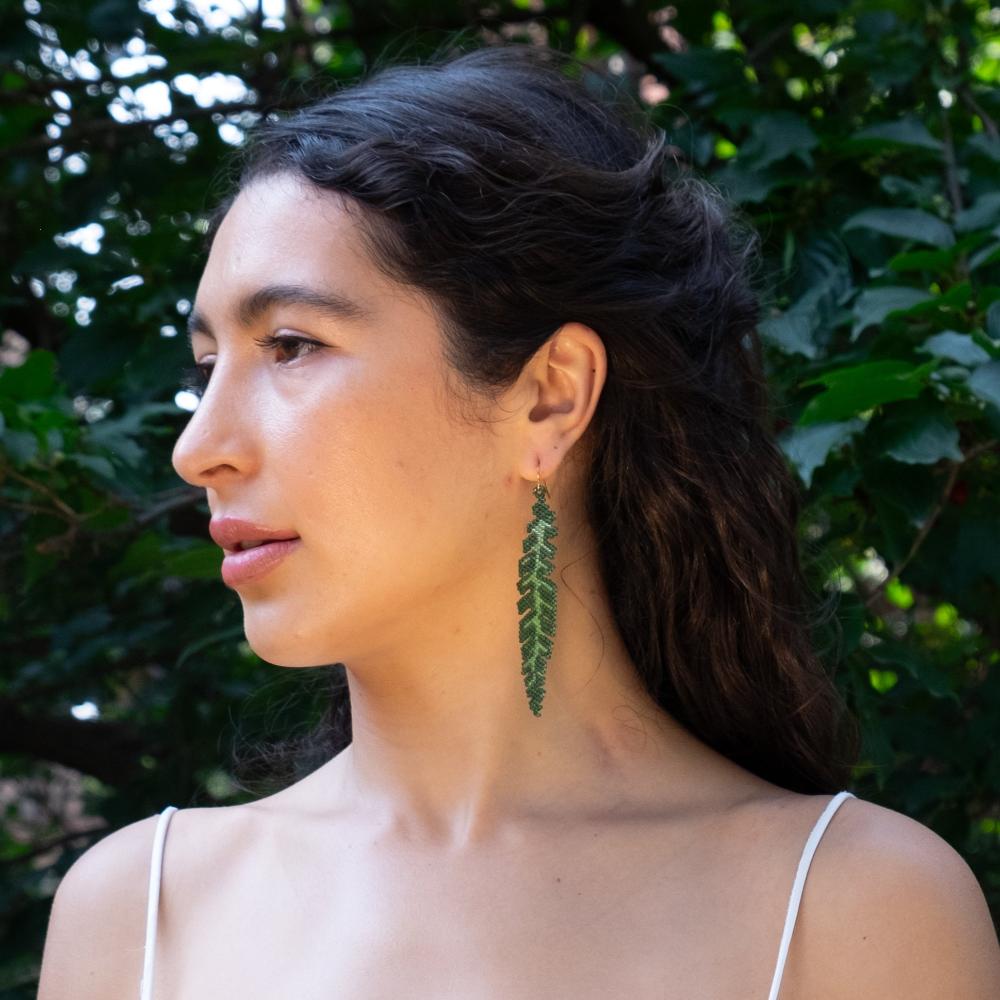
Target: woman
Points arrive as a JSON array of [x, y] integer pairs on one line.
[[482, 376]]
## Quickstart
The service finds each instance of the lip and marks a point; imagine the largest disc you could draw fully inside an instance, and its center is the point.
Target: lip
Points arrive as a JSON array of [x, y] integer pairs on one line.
[[228, 532], [252, 564]]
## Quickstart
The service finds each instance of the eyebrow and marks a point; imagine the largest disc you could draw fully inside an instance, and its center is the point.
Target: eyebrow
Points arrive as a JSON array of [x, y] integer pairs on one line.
[[255, 304]]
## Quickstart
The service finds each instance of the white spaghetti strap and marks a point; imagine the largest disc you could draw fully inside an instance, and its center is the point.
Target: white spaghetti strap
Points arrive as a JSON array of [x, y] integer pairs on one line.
[[800, 878], [153, 902]]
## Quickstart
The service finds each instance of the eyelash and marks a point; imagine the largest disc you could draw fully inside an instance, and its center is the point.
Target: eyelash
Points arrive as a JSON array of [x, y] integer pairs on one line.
[[195, 379]]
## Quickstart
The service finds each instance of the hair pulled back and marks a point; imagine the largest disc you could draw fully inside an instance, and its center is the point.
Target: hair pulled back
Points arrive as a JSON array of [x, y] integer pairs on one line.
[[518, 200]]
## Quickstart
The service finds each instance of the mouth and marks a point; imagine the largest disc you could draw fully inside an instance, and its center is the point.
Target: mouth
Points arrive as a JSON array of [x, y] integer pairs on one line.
[[235, 534], [244, 565], [260, 543]]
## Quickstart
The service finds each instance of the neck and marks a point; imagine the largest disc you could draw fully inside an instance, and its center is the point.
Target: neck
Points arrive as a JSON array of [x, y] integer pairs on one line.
[[445, 749]]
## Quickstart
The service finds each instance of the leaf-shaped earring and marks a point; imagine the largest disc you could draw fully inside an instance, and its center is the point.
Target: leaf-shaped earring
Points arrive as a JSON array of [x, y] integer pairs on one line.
[[537, 605]]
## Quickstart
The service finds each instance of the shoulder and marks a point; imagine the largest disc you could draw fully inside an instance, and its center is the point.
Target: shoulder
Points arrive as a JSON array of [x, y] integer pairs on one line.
[[93, 945], [95, 941], [894, 911]]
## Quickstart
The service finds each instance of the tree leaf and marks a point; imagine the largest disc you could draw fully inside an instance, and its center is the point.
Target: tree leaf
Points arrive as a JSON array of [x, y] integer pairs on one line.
[[907, 131], [985, 383], [993, 320], [926, 440], [198, 562], [809, 447], [982, 213], [985, 146], [792, 333], [908, 223], [856, 388], [955, 346], [919, 666], [704, 69], [988, 255], [33, 380], [775, 136], [741, 185], [873, 305]]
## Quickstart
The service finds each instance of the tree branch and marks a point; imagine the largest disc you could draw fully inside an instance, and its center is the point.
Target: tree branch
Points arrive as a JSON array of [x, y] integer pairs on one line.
[[989, 125], [930, 520], [109, 751], [99, 126]]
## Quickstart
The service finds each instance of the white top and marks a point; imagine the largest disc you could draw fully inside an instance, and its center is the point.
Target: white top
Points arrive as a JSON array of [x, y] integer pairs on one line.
[[146, 984]]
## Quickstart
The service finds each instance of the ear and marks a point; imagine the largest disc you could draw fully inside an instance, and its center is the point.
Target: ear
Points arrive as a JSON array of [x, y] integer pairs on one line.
[[565, 378]]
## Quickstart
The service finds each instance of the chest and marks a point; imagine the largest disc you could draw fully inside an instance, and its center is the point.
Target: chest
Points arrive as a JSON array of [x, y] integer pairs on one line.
[[654, 914]]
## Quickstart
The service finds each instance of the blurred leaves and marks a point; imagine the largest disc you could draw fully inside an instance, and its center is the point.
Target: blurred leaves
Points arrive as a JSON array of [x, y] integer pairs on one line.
[[861, 140]]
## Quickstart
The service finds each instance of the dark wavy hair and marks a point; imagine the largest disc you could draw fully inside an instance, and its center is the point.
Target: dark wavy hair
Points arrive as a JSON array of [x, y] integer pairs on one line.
[[518, 196]]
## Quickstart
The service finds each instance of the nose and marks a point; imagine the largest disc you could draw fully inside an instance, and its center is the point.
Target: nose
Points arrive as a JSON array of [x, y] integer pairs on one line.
[[215, 442]]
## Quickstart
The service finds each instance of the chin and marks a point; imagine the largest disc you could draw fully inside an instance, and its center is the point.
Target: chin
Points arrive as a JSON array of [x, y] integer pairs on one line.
[[279, 657], [275, 649]]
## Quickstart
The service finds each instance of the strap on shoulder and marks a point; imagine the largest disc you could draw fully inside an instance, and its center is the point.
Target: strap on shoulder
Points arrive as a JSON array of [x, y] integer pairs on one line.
[[153, 902], [800, 878]]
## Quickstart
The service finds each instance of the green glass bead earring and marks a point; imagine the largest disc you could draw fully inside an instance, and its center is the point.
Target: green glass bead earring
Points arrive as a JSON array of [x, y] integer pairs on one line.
[[537, 605]]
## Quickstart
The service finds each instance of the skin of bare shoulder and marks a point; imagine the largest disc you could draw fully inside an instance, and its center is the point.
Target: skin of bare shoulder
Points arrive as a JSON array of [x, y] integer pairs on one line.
[[890, 910], [94, 942]]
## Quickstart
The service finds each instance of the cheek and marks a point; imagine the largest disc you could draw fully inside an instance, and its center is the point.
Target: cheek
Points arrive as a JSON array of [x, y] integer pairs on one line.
[[369, 458], [377, 464], [413, 461]]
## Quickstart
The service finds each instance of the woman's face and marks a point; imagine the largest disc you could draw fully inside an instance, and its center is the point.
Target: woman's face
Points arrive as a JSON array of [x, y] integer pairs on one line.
[[353, 445]]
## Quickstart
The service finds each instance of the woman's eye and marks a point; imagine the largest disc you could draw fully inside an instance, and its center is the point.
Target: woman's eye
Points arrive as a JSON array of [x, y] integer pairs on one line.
[[273, 343], [195, 379]]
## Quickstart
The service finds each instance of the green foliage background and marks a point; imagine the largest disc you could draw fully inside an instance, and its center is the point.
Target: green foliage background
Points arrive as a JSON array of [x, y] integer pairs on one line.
[[860, 138]]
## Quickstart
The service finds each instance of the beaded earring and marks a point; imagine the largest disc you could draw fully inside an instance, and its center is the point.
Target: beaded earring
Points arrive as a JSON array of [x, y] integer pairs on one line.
[[537, 605]]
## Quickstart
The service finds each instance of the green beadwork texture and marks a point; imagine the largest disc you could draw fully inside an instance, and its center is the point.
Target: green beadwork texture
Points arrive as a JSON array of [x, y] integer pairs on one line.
[[537, 605]]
